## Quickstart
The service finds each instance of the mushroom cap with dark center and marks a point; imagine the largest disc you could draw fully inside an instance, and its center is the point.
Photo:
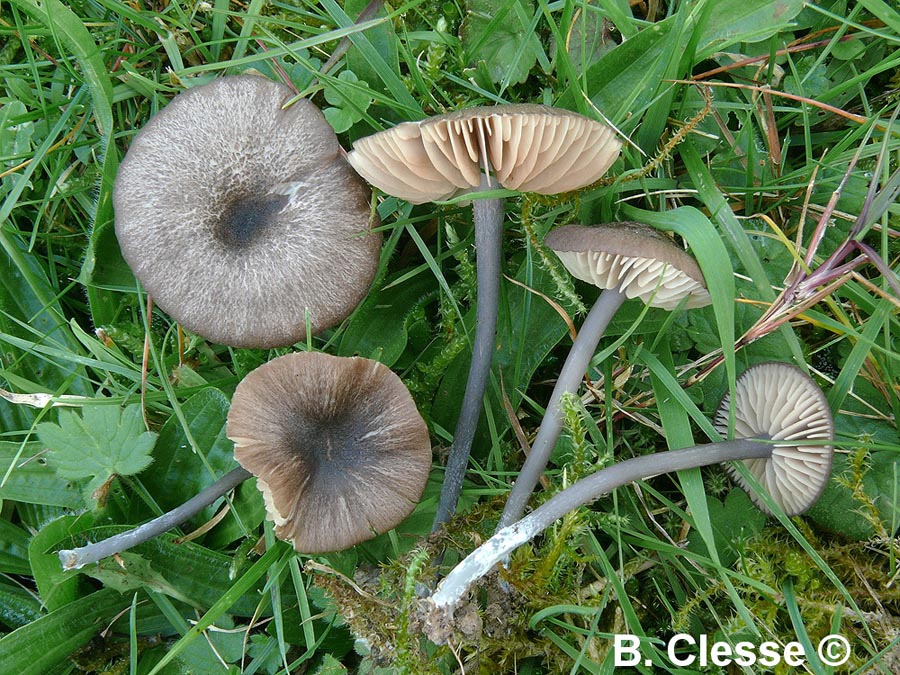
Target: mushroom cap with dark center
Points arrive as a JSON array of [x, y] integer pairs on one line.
[[780, 402], [239, 216], [339, 450], [635, 258], [530, 148]]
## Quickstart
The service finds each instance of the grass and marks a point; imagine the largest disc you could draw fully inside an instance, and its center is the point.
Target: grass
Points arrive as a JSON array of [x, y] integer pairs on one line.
[[749, 123]]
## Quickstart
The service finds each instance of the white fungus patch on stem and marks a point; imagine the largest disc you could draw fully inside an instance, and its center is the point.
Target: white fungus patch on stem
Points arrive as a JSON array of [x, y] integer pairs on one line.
[[478, 563]]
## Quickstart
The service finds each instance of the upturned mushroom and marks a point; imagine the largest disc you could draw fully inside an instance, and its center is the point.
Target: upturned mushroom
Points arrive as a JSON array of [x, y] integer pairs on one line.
[[779, 401], [783, 430], [530, 148], [240, 217], [339, 449], [625, 260]]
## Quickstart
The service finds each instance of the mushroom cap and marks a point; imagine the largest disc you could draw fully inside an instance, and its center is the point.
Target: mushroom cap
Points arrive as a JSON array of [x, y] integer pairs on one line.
[[339, 450], [530, 148], [238, 215], [637, 259], [781, 402]]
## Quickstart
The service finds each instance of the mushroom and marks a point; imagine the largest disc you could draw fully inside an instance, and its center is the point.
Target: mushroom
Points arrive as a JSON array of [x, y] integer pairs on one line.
[[626, 260], [339, 450], [531, 148], [788, 425], [240, 217], [779, 401]]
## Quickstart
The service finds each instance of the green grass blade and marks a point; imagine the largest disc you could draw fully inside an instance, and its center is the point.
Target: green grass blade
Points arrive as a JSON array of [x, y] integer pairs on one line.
[[40, 646]]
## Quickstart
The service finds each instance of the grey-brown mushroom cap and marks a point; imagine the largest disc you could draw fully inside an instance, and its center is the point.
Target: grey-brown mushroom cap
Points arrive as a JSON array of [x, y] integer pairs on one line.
[[239, 216], [633, 257], [781, 402], [525, 147], [339, 449]]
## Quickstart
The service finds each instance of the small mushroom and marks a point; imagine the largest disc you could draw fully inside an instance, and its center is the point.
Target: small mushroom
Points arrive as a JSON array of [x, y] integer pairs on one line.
[[339, 450], [240, 217], [531, 148], [792, 449], [626, 260], [524, 147], [778, 401]]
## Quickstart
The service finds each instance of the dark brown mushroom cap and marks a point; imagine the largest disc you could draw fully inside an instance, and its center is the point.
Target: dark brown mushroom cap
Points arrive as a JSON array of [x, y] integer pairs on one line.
[[339, 449], [530, 148], [635, 258], [779, 401], [239, 216]]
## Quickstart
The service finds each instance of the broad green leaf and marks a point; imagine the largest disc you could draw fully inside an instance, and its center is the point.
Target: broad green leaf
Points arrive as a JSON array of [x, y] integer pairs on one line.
[[194, 571], [104, 441], [40, 646], [13, 549], [733, 522], [56, 587], [103, 272], [383, 40], [247, 503], [133, 573], [206, 656], [263, 649], [838, 510], [348, 92], [590, 38], [381, 66], [178, 472], [732, 21], [625, 79], [18, 606], [187, 571], [225, 601], [378, 328], [494, 33], [31, 480]]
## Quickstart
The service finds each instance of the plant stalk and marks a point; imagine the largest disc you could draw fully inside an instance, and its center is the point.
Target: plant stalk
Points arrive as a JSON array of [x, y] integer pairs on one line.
[[482, 560], [77, 558], [488, 215], [570, 377]]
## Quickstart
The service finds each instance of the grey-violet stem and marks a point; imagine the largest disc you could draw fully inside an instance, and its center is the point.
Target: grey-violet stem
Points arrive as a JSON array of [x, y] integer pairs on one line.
[[569, 379], [488, 216], [77, 558], [485, 557]]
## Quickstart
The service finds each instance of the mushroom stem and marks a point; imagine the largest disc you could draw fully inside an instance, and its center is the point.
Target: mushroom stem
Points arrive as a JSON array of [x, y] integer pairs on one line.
[[488, 215], [569, 379], [77, 558], [482, 559]]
